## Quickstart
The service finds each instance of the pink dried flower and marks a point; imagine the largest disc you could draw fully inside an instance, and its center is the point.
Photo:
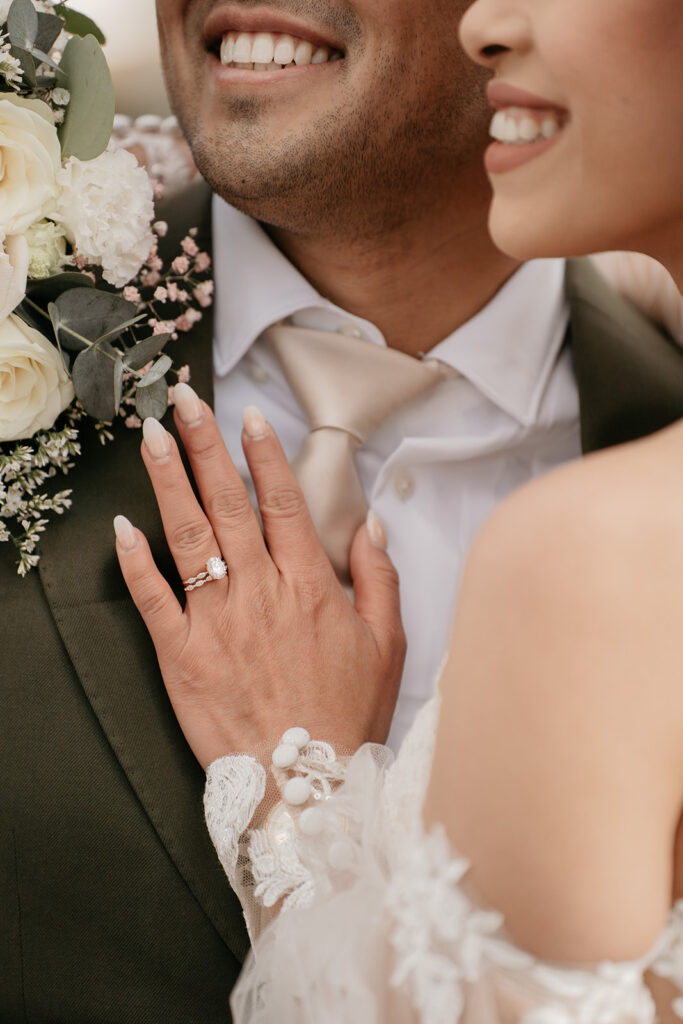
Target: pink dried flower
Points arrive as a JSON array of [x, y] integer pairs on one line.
[[193, 232], [172, 290], [131, 294], [180, 265], [183, 296], [161, 295], [184, 375], [155, 263], [203, 294], [158, 190], [150, 278], [189, 246], [133, 422], [202, 262], [164, 327], [160, 228], [187, 321]]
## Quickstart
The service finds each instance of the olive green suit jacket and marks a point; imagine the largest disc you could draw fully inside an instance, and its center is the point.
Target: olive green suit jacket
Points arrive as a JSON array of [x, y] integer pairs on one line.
[[113, 906]]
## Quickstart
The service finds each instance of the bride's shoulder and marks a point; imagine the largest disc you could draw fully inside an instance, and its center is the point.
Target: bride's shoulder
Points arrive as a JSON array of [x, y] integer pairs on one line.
[[598, 526]]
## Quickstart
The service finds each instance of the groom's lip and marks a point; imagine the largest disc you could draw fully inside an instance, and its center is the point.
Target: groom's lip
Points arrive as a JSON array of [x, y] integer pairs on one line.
[[229, 18]]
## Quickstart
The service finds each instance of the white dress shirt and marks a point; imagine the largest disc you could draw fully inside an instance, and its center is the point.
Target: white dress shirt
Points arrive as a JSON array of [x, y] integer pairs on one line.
[[436, 470]]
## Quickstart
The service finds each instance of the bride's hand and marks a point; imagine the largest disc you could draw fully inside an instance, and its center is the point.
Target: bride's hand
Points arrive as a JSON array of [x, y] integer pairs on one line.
[[277, 643]]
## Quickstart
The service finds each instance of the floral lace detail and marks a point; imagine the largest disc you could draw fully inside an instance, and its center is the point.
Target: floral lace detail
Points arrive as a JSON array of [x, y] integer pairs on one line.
[[669, 963], [276, 865], [235, 786]]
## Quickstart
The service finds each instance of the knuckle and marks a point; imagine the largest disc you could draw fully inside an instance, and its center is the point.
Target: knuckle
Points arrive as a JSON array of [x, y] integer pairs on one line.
[[191, 536], [263, 606], [230, 505], [204, 444], [152, 603], [313, 592], [282, 503], [387, 574]]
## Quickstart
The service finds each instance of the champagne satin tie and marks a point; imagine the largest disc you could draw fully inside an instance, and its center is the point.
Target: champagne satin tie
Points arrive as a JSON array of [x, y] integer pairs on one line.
[[347, 388]]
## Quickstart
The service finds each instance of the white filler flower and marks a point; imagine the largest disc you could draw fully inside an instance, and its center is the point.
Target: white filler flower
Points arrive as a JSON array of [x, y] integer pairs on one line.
[[34, 384], [106, 207], [30, 159]]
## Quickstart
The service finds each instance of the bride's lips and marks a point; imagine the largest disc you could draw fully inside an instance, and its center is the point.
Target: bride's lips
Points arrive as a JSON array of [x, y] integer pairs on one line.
[[525, 126]]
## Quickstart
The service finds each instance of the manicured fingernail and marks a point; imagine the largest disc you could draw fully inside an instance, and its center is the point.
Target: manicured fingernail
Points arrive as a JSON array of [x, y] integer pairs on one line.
[[125, 534], [255, 426], [187, 403], [156, 438], [378, 536]]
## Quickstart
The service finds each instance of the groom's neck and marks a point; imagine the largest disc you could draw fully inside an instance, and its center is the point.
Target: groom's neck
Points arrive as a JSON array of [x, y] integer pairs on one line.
[[417, 283]]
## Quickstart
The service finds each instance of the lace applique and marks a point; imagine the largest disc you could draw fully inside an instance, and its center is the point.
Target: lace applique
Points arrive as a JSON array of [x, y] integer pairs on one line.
[[669, 963], [276, 865], [235, 786]]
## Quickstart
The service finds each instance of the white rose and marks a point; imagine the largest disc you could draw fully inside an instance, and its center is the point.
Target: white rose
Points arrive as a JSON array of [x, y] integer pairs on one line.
[[34, 384], [4, 10], [106, 207], [47, 246], [14, 257], [30, 159]]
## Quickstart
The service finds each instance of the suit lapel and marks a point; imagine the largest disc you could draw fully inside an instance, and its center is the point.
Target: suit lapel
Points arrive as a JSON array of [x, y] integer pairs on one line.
[[109, 646], [629, 372]]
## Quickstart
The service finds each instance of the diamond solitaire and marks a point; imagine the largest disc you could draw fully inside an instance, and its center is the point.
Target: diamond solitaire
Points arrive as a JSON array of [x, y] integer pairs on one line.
[[216, 569]]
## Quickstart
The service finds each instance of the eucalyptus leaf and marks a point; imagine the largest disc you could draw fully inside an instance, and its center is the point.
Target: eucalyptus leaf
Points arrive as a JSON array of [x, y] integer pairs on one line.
[[22, 24], [28, 65], [156, 372], [48, 289], [44, 58], [152, 401], [94, 314], [97, 376], [137, 357], [79, 24], [110, 335], [89, 118], [49, 29]]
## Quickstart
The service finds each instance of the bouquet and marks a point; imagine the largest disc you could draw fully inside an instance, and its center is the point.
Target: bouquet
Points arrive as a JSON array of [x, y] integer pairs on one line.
[[84, 294]]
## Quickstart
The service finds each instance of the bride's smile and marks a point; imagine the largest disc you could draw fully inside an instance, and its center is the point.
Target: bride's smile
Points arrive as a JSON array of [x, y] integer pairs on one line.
[[601, 165]]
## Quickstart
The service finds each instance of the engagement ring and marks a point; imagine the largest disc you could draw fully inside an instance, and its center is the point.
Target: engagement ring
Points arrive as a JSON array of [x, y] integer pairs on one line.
[[216, 569]]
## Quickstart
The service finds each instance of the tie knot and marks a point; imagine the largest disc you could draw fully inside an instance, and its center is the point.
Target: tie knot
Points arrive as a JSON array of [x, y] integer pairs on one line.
[[346, 383]]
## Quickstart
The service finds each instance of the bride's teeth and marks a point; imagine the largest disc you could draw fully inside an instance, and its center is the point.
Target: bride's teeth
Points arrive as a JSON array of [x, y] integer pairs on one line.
[[243, 48], [262, 48], [284, 50], [303, 53], [321, 56], [228, 48], [515, 126]]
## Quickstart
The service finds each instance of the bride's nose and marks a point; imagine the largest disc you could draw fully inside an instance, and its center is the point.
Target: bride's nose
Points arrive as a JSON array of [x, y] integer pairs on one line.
[[492, 28]]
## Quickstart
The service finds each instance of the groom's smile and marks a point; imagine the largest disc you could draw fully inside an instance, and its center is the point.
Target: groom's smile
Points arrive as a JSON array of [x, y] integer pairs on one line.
[[325, 115]]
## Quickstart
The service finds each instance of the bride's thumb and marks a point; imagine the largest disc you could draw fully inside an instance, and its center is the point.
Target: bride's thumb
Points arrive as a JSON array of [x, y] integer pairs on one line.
[[375, 581]]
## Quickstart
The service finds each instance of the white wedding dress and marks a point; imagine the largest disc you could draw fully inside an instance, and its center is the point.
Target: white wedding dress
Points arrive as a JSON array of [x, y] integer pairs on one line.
[[358, 916]]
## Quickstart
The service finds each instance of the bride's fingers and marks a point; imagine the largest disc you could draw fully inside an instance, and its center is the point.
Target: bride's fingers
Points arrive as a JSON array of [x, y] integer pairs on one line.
[[189, 533], [152, 595], [222, 491], [292, 539], [376, 587]]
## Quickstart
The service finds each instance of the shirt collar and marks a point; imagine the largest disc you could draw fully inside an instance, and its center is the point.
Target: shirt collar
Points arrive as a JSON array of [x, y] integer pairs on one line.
[[508, 350]]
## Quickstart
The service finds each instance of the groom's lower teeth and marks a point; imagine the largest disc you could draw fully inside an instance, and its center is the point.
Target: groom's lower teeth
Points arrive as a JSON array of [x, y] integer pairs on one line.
[[519, 127], [268, 51]]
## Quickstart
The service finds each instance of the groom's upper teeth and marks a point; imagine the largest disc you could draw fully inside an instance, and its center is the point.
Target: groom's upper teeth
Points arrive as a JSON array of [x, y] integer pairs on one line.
[[519, 126], [271, 50]]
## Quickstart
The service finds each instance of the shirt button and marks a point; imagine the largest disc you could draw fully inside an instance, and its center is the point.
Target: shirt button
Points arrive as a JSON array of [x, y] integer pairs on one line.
[[403, 484], [258, 374], [349, 331]]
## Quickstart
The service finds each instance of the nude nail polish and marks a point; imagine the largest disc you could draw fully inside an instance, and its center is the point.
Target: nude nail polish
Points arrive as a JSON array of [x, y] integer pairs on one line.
[[255, 426], [378, 536], [187, 403], [156, 438], [125, 534]]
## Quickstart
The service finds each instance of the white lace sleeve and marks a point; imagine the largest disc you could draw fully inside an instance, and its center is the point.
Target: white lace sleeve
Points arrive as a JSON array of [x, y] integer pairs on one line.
[[383, 924]]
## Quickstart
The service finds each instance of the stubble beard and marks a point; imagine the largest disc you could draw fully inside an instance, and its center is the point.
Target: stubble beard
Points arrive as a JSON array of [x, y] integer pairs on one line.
[[356, 174]]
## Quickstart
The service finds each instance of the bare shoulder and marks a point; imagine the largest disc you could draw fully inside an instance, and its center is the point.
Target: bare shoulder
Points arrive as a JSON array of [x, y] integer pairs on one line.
[[559, 755]]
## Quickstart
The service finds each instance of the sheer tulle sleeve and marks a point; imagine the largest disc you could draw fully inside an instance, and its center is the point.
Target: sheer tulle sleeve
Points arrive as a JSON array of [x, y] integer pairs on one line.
[[358, 915]]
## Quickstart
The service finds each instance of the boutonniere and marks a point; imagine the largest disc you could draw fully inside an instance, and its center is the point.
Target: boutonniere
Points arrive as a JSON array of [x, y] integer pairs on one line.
[[87, 304]]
